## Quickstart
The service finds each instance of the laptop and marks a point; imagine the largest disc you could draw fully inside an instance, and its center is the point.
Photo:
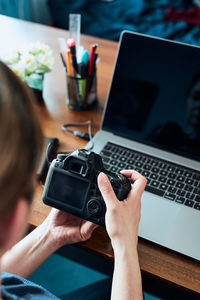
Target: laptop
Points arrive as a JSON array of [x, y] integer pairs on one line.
[[151, 123]]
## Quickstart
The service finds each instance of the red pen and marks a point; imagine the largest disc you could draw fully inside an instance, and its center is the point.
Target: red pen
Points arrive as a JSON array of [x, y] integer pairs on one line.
[[91, 58]]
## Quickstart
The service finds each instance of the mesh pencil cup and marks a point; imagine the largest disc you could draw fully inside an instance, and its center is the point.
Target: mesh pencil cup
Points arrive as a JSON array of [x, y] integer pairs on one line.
[[81, 91]]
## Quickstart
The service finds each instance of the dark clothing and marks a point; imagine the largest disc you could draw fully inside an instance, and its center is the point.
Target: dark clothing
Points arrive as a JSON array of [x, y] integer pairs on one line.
[[17, 288]]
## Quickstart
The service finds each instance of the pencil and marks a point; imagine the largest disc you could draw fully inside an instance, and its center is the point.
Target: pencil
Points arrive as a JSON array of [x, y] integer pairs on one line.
[[69, 72]]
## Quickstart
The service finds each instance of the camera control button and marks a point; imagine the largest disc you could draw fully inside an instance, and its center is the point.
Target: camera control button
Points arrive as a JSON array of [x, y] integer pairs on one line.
[[94, 207]]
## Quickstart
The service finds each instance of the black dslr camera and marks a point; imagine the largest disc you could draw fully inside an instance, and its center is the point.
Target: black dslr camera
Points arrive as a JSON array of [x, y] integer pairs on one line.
[[71, 185]]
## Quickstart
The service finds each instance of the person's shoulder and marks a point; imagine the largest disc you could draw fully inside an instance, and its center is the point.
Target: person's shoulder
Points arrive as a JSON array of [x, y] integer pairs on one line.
[[15, 287]]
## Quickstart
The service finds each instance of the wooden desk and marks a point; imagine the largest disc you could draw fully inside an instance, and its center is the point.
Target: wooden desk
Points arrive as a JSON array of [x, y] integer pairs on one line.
[[154, 260]]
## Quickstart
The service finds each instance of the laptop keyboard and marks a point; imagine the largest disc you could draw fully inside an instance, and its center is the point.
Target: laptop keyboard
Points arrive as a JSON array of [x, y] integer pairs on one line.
[[165, 179]]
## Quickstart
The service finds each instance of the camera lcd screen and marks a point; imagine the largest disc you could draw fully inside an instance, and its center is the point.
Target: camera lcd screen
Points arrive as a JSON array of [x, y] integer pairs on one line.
[[69, 190]]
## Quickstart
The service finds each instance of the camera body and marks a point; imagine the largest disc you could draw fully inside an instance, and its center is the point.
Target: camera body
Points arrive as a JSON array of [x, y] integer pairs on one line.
[[71, 185]]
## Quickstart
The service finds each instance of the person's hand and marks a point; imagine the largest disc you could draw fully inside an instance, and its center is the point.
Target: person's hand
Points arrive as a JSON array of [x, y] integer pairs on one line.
[[122, 217], [65, 228]]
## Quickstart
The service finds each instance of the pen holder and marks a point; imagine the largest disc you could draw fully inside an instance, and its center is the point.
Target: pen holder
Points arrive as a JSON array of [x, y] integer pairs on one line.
[[81, 92]]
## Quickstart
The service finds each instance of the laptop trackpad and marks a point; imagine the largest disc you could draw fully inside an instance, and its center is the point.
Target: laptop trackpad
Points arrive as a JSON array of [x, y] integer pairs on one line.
[[158, 217]]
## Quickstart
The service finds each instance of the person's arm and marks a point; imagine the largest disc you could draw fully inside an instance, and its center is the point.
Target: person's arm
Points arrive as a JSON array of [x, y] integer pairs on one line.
[[122, 220], [58, 229]]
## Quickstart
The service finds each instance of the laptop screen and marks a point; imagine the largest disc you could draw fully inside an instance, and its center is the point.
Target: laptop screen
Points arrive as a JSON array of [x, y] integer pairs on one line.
[[154, 96]]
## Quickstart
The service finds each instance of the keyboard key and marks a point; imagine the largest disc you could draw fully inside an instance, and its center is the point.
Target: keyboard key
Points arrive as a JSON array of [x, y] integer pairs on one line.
[[119, 151], [162, 179], [189, 203], [197, 191], [107, 147], [179, 185], [129, 167], [181, 193], [154, 190], [188, 188], [115, 156], [147, 167], [179, 171], [162, 165], [155, 170], [148, 160], [153, 176], [154, 183], [154, 163], [130, 161], [196, 177], [197, 198], [180, 178], [163, 186], [190, 196], [171, 169], [145, 173], [137, 157], [143, 159], [139, 164], [123, 158], [105, 153], [180, 199], [163, 173], [126, 154], [187, 174], [121, 165], [172, 189], [138, 170], [172, 175], [113, 162], [169, 196], [114, 169], [197, 206], [171, 181], [189, 181]]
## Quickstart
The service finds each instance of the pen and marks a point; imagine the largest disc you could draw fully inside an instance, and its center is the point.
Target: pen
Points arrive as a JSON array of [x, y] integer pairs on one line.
[[69, 69], [94, 62], [85, 57], [82, 79], [90, 68], [71, 45], [91, 58], [63, 61], [69, 72]]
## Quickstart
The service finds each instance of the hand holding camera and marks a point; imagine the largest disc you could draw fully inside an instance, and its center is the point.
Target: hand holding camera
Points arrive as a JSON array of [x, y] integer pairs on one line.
[[122, 217], [71, 185]]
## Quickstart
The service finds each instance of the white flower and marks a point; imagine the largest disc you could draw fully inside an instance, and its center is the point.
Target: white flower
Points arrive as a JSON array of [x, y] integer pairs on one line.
[[34, 58], [11, 57]]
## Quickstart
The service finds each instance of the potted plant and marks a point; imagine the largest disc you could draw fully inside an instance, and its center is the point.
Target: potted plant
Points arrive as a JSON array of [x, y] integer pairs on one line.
[[31, 63]]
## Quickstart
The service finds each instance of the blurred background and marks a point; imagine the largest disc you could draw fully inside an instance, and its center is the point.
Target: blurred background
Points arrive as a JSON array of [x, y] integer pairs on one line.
[[172, 19], [30, 10]]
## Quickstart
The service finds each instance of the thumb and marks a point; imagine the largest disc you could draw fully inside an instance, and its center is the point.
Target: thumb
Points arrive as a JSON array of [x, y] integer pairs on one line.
[[106, 189]]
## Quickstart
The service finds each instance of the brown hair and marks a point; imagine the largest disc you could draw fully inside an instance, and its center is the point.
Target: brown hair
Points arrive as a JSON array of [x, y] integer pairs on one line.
[[20, 140]]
